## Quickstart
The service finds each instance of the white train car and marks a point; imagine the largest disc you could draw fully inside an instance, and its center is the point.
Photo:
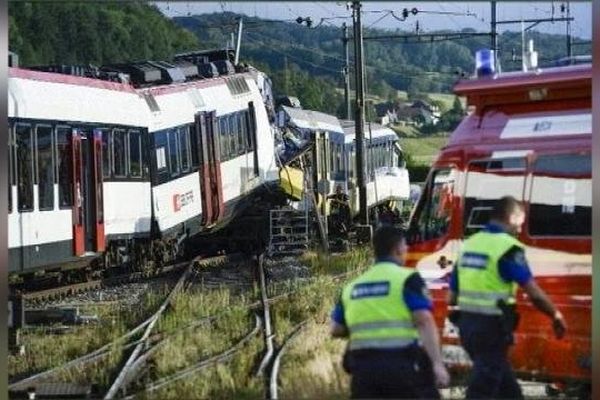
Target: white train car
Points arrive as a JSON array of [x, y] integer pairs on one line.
[[62, 207], [123, 172], [387, 178], [211, 148]]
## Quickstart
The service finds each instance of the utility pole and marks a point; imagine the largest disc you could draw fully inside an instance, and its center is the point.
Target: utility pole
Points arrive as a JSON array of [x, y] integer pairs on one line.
[[359, 120], [285, 69], [346, 71], [569, 48], [239, 41], [494, 36]]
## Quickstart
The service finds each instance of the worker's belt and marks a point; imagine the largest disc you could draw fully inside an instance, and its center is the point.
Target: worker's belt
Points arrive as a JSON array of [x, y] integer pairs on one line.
[[381, 325], [381, 343]]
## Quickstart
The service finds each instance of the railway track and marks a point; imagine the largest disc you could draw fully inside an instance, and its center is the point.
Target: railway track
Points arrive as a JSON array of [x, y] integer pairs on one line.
[[142, 344], [53, 293]]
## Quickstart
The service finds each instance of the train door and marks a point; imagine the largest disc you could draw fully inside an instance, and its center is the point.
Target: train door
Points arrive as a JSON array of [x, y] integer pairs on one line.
[[211, 186], [432, 243], [88, 216]]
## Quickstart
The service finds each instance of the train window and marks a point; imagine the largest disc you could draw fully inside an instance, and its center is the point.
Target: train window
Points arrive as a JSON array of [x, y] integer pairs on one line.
[[351, 162], [10, 168], [487, 182], [173, 152], [249, 133], [184, 147], [99, 193], [64, 166], [161, 152], [45, 167], [24, 142], [561, 195], [119, 153], [224, 138], [135, 154], [106, 154], [232, 136], [194, 146], [243, 135]]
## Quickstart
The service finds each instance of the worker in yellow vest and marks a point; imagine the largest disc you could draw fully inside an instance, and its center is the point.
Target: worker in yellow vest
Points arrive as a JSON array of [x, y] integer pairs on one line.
[[490, 267], [394, 349]]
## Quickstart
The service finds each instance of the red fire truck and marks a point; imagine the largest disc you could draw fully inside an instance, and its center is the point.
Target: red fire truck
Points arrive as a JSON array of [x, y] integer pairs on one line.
[[527, 134]]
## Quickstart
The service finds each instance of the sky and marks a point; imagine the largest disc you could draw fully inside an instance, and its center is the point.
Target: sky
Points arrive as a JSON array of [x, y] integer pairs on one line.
[[474, 15]]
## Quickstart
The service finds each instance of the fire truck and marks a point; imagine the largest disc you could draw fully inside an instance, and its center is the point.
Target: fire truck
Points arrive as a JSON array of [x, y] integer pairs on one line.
[[528, 135]]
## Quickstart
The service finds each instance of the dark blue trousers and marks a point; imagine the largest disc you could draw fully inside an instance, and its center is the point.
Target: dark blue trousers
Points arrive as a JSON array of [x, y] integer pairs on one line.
[[391, 374], [486, 341]]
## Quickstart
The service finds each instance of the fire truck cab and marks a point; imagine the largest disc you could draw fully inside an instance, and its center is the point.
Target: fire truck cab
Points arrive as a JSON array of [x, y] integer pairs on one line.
[[527, 134]]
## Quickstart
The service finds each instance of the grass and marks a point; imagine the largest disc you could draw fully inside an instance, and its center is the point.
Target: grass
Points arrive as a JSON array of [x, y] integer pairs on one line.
[[44, 351], [311, 300], [312, 367], [423, 150]]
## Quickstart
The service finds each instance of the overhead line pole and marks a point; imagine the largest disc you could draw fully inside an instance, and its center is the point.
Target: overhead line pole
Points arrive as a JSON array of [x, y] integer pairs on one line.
[[359, 112], [494, 36], [239, 41], [569, 48], [346, 71]]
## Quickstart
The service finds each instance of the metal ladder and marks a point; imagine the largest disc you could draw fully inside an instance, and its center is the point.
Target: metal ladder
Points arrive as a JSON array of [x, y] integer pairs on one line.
[[288, 231]]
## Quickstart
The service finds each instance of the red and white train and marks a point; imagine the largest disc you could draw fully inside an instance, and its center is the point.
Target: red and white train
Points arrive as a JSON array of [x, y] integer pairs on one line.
[[528, 134], [127, 170]]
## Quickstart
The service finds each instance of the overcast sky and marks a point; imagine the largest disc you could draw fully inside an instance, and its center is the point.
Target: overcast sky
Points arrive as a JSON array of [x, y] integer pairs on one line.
[[581, 11]]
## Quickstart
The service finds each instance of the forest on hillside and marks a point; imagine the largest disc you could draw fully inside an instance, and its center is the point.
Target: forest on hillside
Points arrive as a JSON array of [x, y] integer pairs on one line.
[[92, 33], [390, 65]]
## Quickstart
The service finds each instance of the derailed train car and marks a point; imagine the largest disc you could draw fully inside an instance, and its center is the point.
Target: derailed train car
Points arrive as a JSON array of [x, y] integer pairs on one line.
[[528, 134], [334, 156], [121, 165]]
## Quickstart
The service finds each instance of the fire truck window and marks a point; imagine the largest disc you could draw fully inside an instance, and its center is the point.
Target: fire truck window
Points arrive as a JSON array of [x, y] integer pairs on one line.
[[561, 196], [119, 152], [45, 167], [24, 141], [487, 182], [434, 219], [64, 167]]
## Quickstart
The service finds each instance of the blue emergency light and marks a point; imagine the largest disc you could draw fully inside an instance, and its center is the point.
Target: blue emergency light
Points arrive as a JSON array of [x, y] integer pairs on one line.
[[485, 64]]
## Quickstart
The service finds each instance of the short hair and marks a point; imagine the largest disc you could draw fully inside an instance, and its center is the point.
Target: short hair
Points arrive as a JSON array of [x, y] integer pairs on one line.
[[504, 207], [385, 239]]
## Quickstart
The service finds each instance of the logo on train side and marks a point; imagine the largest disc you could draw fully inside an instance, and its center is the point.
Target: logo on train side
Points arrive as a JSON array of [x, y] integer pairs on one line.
[[182, 200]]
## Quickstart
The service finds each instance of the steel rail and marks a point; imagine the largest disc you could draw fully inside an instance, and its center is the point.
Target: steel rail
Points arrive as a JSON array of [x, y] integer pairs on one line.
[[273, 395], [217, 359], [122, 378]]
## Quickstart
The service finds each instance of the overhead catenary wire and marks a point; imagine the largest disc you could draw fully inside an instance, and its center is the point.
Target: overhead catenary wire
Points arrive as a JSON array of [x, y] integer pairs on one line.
[[414, 74]]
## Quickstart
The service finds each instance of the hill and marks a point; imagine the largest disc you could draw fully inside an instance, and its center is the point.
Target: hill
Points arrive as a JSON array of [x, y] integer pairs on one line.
[[92, 33], [390, 65]]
